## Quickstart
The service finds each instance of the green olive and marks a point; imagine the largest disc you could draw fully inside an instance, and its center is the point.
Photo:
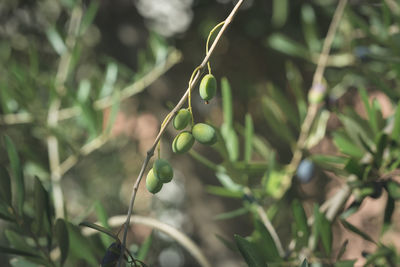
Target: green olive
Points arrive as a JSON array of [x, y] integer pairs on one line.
[[204, 134], [182, 142], [208, 87], [182, 118], [163, 170], [153, 184]]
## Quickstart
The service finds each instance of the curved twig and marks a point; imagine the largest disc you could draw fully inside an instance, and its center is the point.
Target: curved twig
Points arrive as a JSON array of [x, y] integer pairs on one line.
[[150, 152]]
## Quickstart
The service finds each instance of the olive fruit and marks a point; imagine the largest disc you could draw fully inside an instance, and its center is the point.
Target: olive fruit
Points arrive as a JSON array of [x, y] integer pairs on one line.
[[182, 118], [204, 134], [182, 142], [163, 170], [317, 94], [153, 184], [305, 171], [208, 87]]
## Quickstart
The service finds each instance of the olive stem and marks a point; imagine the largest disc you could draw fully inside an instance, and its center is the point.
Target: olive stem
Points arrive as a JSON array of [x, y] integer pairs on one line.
[[150, 152], [53, 112], [313, 109]]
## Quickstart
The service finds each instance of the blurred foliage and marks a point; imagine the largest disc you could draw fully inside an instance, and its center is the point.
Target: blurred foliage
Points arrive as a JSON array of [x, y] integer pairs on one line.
[[268, 57]]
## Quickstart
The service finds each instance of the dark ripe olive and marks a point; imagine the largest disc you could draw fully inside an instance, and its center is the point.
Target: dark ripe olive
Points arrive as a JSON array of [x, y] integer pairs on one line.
[[163, 170], [204, 134], [182, 119], [208, 87], [153, 184], [305, 171], [183, 142]]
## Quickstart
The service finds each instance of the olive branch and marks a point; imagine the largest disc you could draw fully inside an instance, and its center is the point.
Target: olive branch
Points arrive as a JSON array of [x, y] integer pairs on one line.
[[193, 81]]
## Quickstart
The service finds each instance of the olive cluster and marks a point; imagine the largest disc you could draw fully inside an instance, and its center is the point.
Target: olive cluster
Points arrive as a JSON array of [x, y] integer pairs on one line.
[[203, 133]]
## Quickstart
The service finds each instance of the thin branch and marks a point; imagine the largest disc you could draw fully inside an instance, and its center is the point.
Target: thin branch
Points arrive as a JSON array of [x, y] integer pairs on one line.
[[267, 223], [177, 235], [313, 109], [170, 116], [52, 117]]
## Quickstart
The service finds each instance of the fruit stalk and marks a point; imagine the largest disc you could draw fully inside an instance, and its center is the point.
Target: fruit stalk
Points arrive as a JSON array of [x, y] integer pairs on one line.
[[171, 115]]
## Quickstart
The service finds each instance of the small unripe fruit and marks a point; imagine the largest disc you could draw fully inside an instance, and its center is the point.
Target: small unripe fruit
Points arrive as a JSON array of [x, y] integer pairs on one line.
[[208, 87], [183, 142], [204, 134], [163, 170], [181, 120], [153, 184], [305, 171], [317, 94]]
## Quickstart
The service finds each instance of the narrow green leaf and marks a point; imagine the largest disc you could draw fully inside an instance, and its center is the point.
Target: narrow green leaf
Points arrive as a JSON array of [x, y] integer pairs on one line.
[[289, 112], [387, 217], [309, 24], [18, 242], [250, 255], [80, 246], [61, 233], [145, 248], [17, 173], [357, 231], [229, 244], [103, 219], [380, 148], [396, 126], [352, 166], [5, 186], [18, 252], [231, 214], [263, 241], [325, 231], [342, 250], [223, 192], [317, 132], [55, 40], [227, 131], [371, 114], [346, 146], [6, 213], [279, 12], [393, 189], [228, 183], [248, 139], [305, 263], [227, 102], [295, 80], [113, 113], [89, 16], [40, 205], [83, 93], [276, 120], [345, 263], [99, 228], [301, 228], [287, 46], [110, 79]]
